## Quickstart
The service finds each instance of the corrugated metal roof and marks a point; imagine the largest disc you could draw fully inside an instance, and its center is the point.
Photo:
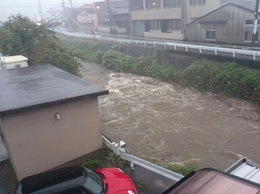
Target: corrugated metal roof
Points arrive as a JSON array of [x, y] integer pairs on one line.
[[248, 171]]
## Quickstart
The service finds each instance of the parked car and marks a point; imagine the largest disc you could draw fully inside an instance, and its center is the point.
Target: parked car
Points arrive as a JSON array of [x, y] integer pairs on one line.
[[78, 180]]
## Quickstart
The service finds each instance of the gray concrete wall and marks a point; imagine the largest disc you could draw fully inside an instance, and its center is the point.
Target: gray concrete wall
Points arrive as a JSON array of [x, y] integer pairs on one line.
[[177, 58]]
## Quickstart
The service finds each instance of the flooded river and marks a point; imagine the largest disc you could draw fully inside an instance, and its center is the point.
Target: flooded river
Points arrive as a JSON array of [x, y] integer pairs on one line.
[[175, 124]]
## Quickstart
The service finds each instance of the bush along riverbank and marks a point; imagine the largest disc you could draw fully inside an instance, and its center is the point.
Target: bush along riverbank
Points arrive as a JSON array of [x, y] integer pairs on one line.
[[228, 79]]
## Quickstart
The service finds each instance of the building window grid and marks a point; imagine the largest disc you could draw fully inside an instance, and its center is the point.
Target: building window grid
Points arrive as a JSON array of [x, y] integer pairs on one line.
[[155, 24], [210, 35], [137, 5], [197, 2], [165, 26], [174, 24], [171, 3], [153, 4]]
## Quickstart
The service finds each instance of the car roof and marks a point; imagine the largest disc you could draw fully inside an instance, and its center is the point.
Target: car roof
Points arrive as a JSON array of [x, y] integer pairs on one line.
[[47, 179], [211, 181]]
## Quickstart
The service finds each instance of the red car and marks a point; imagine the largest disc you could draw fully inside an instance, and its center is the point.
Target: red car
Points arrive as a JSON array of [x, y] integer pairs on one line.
[[78, 180]]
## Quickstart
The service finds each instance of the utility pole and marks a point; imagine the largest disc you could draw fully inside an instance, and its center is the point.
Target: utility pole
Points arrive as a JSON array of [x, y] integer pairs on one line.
[[40, 10], [72, 14], [255, 32], [64, 12], [130, 18], [109, 15]]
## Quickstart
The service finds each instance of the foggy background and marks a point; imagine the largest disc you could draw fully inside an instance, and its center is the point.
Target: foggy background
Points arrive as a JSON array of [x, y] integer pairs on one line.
[[32, 8]]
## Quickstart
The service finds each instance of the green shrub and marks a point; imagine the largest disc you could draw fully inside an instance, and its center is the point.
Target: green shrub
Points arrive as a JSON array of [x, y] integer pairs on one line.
[[183, 169], [109, 160], [83, 48], [229, 79]]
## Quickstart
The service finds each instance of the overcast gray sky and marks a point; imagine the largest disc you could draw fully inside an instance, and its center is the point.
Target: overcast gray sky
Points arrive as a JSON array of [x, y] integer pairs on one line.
[[31, 7]]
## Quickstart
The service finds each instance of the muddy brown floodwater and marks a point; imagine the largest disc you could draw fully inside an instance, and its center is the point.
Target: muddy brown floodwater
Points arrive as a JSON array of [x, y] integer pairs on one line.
[[175, 124]]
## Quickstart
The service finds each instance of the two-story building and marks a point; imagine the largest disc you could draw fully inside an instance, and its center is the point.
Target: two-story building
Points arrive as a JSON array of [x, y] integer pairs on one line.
[[166, 18]]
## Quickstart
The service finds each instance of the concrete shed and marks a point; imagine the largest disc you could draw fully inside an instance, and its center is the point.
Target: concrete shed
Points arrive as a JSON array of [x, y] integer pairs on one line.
[[47, 117]]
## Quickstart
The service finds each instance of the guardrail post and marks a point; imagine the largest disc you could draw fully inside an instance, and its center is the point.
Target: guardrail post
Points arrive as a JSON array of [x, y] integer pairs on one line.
[[120, 149]]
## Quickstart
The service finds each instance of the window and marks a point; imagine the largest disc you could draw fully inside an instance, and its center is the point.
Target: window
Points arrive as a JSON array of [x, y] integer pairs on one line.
[[152, 25], [197, 2], [248, 36], [171, 25], [155, 24], [192, 2], [201, 2], [172, 3], [210, 35], [136, 4], [153, 4], [251, 22]]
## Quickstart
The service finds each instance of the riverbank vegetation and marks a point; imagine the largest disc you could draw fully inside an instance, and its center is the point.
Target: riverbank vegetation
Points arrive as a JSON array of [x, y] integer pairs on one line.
[[109, 159], [228, 79], [21, 36]]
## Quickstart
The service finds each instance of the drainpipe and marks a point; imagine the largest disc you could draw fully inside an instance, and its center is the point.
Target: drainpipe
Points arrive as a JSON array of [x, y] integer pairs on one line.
[[255, 33]]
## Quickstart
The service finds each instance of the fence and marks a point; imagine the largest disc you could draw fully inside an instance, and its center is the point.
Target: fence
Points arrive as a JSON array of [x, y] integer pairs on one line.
[[140, 162], [216, 50]]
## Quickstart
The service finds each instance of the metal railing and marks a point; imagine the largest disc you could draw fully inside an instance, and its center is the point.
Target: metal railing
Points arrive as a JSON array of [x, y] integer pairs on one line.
[[200, 49], [141, 162]]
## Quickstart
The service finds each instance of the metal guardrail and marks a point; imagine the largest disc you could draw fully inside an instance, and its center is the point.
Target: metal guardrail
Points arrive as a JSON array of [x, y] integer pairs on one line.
[[208, 50], [140, 162]]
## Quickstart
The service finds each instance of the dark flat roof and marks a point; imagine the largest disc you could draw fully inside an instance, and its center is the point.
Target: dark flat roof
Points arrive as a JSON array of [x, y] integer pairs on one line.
[[41, 85]]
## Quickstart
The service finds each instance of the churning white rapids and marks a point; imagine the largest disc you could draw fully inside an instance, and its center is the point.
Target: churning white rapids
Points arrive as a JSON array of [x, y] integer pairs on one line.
[[173, 123]]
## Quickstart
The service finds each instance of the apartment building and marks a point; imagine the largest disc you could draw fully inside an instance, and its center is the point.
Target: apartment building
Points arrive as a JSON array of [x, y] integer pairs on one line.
[[166, 19]]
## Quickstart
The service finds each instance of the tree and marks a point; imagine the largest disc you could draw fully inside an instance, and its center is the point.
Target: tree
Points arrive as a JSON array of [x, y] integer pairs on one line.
[[20, 36]]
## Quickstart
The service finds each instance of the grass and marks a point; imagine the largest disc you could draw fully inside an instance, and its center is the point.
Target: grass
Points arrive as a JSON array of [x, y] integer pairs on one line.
[[109, 159]]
